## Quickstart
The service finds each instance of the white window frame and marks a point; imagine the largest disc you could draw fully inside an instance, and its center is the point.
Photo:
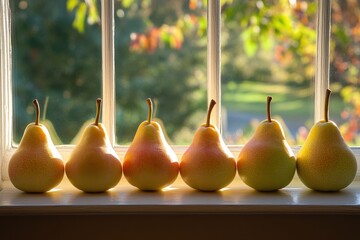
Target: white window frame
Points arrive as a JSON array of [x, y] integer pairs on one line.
[[108, 80]]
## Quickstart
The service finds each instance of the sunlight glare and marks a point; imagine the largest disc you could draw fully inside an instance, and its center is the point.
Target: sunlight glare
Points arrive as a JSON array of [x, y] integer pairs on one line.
[[224, 189], [55, 190], [292, 2], [167, 189]]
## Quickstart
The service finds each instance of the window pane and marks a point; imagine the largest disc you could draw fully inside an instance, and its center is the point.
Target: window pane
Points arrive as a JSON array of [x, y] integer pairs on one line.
[[161, 54], [344, 69], [268, 48], [56, 59]]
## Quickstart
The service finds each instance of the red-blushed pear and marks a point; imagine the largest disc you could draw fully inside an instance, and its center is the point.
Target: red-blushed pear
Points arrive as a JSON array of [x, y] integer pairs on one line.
[[207, 164], [266, 162], [36, 166], [325, 162], [93, 165], [150, 164]]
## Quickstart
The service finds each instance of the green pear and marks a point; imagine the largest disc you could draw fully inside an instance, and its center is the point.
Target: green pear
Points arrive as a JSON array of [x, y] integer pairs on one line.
[[325, 162], [36, 166], [207, 164], [266, 162], [93, 165], [150, 164]]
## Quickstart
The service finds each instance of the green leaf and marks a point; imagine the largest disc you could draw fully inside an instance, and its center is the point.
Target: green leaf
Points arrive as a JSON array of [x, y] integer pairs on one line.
[[282, 24], [127, 3], [79, 21], [267, 42], [165, 37], [341, 35], [71, 4], [250, 46], [202, 26], [93, 16], [223, 2]]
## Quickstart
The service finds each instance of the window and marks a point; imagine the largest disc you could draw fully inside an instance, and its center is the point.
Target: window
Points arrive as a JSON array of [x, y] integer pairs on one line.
[[344, 68], [155, 42], [277, 44], [158, 42], [55, 63]]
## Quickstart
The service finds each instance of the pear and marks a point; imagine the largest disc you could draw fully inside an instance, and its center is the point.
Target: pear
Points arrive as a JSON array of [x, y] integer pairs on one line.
[[325, 162], [93, 165], [36, 166], [207, 164], [266, 162], [150, 164]]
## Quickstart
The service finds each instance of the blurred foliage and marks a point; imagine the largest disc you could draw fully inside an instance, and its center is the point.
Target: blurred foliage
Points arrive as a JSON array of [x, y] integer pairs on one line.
[[51, 59], [83, 10], [161, 53], [345, 64], [275, 34], [58, 54]]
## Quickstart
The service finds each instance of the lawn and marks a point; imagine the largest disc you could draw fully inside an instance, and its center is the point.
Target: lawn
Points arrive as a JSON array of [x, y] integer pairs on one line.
[[250, 97], [293, 106]]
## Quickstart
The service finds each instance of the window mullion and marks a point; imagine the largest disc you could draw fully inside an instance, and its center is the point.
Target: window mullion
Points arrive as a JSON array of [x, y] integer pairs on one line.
[[5, 81], [5, 88], [108, 81], [322, 64], [213, 58]]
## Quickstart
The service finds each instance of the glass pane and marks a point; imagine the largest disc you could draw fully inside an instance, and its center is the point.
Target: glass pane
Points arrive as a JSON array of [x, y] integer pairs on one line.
[[268, 48], [161, 54], [56, 59], [344, 69]]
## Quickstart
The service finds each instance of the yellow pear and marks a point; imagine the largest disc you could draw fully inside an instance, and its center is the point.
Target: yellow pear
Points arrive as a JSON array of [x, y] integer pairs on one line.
[[325, 162], [150, 164], [266, 162], [36, 165], [93, 165], [207, 164]]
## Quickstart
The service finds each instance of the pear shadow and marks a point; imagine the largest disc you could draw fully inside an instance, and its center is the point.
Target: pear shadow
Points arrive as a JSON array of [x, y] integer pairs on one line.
[[93, 198], [26, 198], [197, 197], [342, 197], [275, 197], [137, 196]]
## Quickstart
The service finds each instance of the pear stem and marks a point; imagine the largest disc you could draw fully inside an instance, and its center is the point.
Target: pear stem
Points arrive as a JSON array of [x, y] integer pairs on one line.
[[326, 109], [268, 112], [211, 106], [98, 110], [37, 108], [150, 108]]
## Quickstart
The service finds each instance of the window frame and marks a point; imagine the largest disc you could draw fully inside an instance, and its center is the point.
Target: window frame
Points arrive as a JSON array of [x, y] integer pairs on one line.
[[108, 81], [5, 87]]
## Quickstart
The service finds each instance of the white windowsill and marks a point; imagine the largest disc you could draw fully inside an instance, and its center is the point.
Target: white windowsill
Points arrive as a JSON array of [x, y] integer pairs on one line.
[[126, 199], [237, 198]]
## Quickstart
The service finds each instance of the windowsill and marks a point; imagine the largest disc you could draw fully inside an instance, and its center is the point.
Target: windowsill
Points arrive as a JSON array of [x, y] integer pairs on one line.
[[237, 198]]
